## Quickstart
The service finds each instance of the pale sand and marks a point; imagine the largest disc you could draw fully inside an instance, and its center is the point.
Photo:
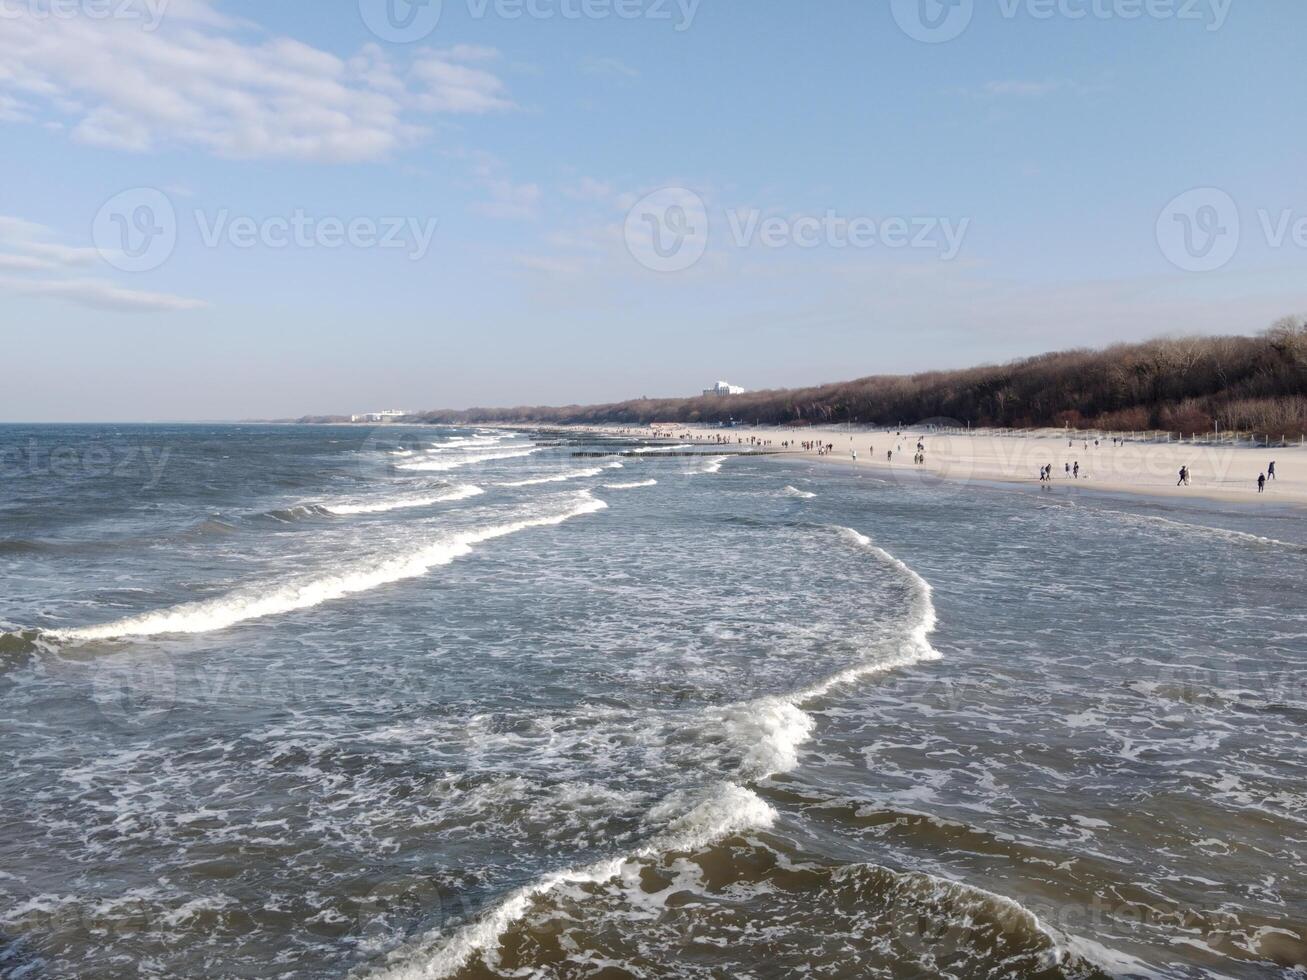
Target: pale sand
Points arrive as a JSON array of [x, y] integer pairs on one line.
[[1223, 472]]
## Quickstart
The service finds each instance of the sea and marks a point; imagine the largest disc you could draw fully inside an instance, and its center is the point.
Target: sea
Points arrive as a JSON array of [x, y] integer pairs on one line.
[[415, 702]]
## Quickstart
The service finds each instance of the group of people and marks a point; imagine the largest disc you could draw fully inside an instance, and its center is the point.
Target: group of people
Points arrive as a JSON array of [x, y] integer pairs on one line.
[[1071, 469], [1072, 472], [1263, 477]]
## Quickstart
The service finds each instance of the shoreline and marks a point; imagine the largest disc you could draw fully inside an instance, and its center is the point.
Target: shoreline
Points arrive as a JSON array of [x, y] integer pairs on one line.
[[1224, 474]]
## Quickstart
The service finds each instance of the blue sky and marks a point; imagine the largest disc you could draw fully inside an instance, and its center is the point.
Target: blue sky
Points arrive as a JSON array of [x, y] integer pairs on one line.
[[1043, 162]]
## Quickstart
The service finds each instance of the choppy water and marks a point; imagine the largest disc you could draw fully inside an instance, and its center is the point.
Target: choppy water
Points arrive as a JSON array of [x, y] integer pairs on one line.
[[319, 702]]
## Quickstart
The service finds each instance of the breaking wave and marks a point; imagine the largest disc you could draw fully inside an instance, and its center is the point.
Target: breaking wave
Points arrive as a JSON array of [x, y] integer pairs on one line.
[[768, 733], [443, 465], [402, 503], [563, 477], [274, 599]]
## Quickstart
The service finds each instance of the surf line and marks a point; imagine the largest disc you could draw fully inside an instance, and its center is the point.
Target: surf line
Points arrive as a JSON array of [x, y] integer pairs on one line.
[[237, 607], [772, 728]]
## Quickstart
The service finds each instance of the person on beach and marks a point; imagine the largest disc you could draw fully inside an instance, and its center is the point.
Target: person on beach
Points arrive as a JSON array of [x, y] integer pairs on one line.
[[1076, 469], [889, 456], [1270, 471], [1180, 482], [1068, 471], [1261, 483], [855, 457]]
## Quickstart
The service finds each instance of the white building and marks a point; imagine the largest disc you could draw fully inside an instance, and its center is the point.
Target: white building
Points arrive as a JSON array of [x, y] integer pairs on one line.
[[723, 388], [389, 415]]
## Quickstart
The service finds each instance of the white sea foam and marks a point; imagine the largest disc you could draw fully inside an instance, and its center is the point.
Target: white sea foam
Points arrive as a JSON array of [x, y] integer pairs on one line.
[[796, 492], [727, 809], [402, 503], [562, 477], [662, 449], [768, 731], [712, 465], [630, 486], [274, 599], [1238, 537], [465, 443], [454, 462]]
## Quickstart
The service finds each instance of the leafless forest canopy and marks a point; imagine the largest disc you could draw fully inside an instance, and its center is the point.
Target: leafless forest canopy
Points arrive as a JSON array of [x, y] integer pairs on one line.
[[1250, 384]]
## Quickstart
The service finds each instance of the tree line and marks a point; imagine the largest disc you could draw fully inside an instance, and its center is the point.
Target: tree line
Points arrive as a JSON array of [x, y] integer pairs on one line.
[[1186, 385]]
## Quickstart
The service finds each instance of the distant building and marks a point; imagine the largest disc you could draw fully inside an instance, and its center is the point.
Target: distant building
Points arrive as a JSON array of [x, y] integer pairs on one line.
[[389, 415], [722, 388]]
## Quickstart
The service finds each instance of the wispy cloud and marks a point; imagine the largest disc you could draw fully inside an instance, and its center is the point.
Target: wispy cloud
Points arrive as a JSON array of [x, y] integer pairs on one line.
[[509, 200], [198, 80], [1016, 88], [31, 264], [99, 295], [612, 67]]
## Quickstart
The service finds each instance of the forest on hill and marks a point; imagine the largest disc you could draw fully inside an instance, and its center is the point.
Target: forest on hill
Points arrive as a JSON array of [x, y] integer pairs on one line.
[[1187, 385]]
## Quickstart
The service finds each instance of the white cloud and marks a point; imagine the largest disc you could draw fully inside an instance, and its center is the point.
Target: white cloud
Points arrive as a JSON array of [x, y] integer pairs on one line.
[[447, 86], [11, 110], [468, 52], [509, 200], [590, 189], [609, 66], [98, 295], [197, 80], [1016, 88], [1024, 89], [23, 263], [38, 266]]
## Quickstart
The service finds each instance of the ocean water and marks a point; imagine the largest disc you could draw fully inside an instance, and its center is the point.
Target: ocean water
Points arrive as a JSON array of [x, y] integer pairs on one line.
[[442, 702]]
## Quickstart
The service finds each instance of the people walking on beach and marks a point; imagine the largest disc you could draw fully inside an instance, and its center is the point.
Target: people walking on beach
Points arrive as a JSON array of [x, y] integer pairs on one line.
[[1076, 469], [1261, 483], [855, 456], [889, 456], [1184, 477], [1270, 471], [1068, 471]]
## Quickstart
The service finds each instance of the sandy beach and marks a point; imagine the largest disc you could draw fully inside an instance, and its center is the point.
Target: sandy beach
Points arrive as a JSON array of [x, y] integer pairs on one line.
[[1224, 473]]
